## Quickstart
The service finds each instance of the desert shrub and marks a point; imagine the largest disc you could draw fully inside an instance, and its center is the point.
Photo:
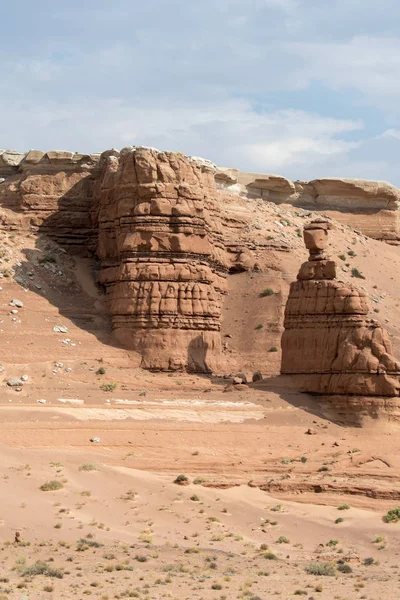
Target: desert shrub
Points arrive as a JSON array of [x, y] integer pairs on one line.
[[339, 520], [50, 486], [88, 467], [40, 568], [100, 371], [108, 387], [270, 556], [356, 273], [369, 561], [343, 507], [345, 568], [267, 292], [84, 543], [273, 349], [393, 515], [259, 326], [319, 568], [282, 540], [181, 479]]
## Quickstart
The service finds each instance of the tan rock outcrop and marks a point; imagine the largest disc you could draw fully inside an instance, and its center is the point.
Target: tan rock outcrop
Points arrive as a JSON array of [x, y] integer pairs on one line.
[[329, 343], [369, 206], [52, 193], [162, 257]]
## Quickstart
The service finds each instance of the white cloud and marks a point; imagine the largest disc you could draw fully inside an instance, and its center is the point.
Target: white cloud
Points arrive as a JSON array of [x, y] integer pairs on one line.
[[368, 64], [229, 80]]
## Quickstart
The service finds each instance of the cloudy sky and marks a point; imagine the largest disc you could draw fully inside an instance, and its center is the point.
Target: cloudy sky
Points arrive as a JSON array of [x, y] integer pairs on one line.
[[303, 88]]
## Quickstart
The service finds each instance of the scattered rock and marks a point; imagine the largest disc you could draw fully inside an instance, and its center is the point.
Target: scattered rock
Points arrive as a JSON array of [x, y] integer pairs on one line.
[[16, 303], [41, 401], [60, 329], [14, 381], [311, 431], [24, 377], [95, 440], [242, 377], [257, 376]]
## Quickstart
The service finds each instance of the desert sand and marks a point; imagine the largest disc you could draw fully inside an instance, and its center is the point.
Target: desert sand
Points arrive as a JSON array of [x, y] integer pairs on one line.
[[269, 471]]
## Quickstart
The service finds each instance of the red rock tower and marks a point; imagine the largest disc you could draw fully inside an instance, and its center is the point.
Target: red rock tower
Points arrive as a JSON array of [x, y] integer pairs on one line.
[[329, 343], [162, 257]]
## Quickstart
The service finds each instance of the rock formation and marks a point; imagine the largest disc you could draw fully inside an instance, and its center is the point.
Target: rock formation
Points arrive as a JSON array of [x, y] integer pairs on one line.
[[162, 256], [51, 192], [329, 343], [370, 206], [164, 229]]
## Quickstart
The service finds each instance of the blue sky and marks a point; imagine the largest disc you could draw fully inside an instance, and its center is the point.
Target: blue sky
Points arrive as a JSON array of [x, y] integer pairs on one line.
[[302, 88]]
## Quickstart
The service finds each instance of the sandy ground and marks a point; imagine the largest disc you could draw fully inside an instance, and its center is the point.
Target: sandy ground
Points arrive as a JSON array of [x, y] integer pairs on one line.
[[262, 497]]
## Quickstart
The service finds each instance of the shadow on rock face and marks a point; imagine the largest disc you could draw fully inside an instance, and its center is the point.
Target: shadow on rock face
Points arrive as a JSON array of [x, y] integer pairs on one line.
[[197, 355]]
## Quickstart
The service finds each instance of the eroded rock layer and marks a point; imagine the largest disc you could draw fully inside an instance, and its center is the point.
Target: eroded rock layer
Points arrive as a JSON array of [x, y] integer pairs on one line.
[[329, 342], [162, 257], [52, 193]]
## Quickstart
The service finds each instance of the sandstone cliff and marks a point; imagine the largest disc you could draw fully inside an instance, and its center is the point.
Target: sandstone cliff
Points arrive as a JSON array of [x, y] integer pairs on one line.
[[370, 206], [168, 235], [162, 257]]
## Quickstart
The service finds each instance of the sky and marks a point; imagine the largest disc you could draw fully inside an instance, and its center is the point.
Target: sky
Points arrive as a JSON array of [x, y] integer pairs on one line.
[[300, 88]]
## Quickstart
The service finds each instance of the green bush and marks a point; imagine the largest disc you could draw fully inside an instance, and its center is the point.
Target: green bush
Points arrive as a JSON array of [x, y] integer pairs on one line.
[[343, 507], [273, 349], [267, 292], [319, 568], [282, 540], [40, 568], [356, 273], [108, 387], [51, 486], [393, 515], [270, 556], [259, 326], [345, 568], [181, 479], [88, 467], [100, 371]]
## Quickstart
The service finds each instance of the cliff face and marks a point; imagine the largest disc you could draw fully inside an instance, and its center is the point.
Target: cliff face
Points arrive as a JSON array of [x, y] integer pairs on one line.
[[329, 343], [53, 193], [162, 257], [369, 206], [166, 230]]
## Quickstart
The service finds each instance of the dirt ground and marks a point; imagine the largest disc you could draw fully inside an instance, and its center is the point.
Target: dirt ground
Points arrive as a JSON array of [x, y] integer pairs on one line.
[[280, 500]]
